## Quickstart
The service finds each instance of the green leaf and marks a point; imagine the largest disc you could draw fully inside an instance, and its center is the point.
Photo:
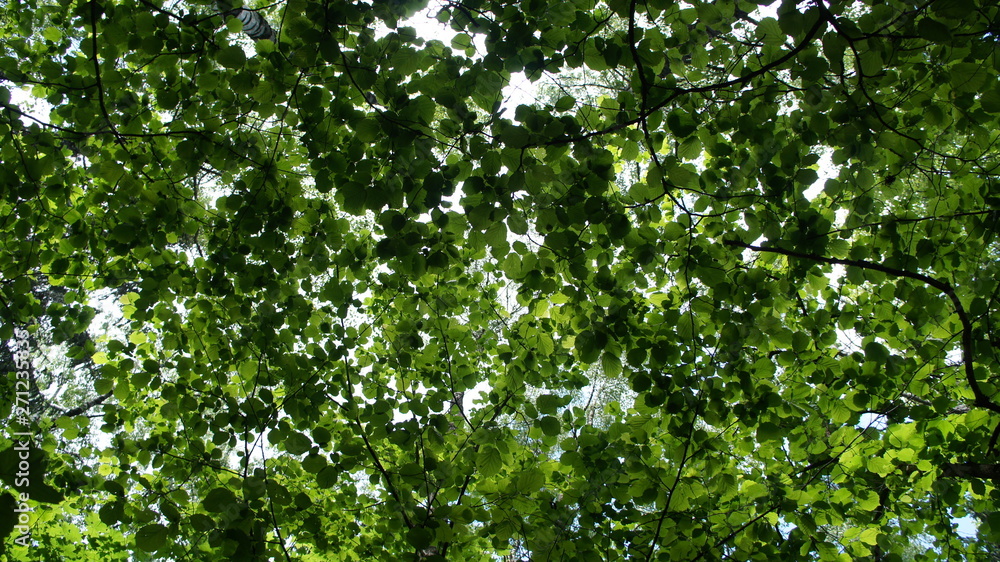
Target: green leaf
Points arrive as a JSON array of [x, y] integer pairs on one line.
[[297, 443], [151, 538], [612, 365], [489, 461], [550, 425], [515, 136], [8, 517], [530, 481], [52, 33], [769, 31], [673, 231], [202, 522], [103, 386], [219, 500], [769, 432], [876, 352], [682, 176], [461, 41], [879, 466], [690, 149], [587, 347], [991, 101], [327, 477], [112, 513], [419, 538], [933, 30], [232, 57], [548, 403], [39, 491], [806, 176], [367, 130], [872, 63], [565, 103]]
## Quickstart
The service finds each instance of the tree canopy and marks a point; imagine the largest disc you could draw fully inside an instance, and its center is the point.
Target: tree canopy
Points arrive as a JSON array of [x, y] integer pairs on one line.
[[296, 281]]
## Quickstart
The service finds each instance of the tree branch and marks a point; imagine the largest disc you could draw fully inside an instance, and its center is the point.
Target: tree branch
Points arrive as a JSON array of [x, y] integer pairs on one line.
[[678, 92], [981, 399], [964, 470], [97, 75], [971, 470], [85, 406]]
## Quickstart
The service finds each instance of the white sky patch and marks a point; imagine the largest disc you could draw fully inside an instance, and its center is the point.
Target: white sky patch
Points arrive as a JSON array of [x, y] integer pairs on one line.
[[873, 421], [36, 108]]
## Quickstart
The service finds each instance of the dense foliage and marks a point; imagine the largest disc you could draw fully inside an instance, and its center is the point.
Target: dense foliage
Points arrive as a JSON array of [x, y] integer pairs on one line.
[[726, 289]]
